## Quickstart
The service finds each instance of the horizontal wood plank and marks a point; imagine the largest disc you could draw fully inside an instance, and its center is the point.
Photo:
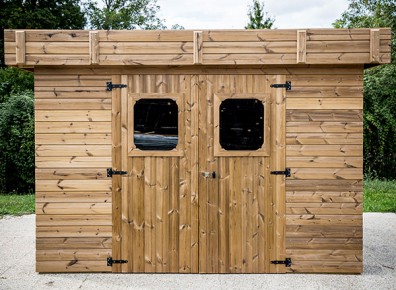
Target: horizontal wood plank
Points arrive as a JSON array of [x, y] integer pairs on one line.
[[73, 231], [73, 162], [324, 103], [320, 231], [324, 196], [326, 173], [68, 197], [145, 47], [73, 208], [73, 104], [324, 150], [324, 162], [55, 115], [72, 127], [72, 220], [77, 255], [324, 208], [74, 174], [325, 243], [326, 267], [72, 139], [72, 266], [324, 116], [73, 243], [324, 127], [324, 220], [323, 138], [320, 92], [73, 185], [73, 150], [325, 255], [327, 185]]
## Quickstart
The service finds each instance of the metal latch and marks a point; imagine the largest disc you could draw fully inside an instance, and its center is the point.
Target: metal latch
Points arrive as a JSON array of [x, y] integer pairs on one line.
[[287, 262], [110, 262], [287, 172], [208, 174], [111, 172], [286, 85], [110, 86]]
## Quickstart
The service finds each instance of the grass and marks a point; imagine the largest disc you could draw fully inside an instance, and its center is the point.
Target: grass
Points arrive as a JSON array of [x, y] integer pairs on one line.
[[16, 204], [379, 196]]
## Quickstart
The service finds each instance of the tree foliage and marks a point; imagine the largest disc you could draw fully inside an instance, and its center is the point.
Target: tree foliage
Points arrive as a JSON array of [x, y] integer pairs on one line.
[[14, 81], [258, 19], [379, 89], [17, 143], [39, 14], [123, 14]]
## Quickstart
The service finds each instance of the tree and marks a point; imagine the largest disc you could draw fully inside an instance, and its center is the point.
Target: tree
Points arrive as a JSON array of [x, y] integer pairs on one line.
[[123, 14], [39, 14], [379, 89], [17, 144], [258, 19], [370, 13]]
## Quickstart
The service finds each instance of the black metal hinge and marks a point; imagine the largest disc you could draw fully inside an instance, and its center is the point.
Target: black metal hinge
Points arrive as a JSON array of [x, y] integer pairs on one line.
[[110, 262], [287, 172], [287, 262], [110, 86], [111, 172], [286, 85]]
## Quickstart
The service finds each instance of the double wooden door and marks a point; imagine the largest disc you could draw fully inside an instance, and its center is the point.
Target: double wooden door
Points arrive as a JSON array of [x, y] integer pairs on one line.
[[203, 203]]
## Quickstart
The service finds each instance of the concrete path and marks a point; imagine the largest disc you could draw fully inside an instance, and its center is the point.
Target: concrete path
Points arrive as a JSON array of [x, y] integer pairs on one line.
[[17, 266]]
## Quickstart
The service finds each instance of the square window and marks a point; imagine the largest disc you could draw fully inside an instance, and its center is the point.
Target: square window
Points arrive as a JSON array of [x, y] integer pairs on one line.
[[241, 124], [155, 124]]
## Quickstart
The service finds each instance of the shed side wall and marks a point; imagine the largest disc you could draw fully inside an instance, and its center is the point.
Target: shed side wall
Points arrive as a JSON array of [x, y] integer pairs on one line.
[[324, 150], [73, 194]]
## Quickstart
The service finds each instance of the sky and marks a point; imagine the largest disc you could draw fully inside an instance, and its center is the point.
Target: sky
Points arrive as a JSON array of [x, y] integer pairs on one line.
[[232, 14]]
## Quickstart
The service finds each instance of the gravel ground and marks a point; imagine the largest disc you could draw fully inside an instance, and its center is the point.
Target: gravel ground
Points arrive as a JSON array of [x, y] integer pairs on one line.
[[17, 266]]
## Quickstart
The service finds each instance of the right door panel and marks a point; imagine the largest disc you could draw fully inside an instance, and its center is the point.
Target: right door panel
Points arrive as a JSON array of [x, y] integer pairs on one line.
[[241, 206]]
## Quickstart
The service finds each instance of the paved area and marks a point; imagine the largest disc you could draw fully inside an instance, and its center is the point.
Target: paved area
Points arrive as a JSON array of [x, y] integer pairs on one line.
[[17, 266]]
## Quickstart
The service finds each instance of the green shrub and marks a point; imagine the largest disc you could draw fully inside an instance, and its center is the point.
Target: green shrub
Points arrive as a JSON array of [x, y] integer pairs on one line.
[[14, 81], [17, 143], [380, 122]]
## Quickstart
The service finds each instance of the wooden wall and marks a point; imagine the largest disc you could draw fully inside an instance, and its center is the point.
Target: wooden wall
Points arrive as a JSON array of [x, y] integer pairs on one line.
[[324, 150], [29, 48], [73, 194]]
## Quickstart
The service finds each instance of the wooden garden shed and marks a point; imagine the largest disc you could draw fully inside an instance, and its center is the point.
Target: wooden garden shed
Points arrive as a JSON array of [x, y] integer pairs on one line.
[[216, 151]]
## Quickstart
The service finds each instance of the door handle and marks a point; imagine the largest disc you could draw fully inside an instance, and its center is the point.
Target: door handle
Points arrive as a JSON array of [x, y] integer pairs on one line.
[[208, 174]]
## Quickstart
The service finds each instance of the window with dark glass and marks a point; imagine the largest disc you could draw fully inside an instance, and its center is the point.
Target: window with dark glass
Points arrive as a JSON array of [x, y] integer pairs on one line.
[[241, 124], [155, 124]]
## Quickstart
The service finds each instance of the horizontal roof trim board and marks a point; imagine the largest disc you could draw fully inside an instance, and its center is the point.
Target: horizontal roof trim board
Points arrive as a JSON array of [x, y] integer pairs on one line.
[[33, 48]]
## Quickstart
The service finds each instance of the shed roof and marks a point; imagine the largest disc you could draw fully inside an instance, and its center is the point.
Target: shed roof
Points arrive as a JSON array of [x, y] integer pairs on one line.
[[30, 48]]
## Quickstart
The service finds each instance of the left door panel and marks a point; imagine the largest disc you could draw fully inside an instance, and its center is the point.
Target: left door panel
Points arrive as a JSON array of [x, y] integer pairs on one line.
[[155, 207]]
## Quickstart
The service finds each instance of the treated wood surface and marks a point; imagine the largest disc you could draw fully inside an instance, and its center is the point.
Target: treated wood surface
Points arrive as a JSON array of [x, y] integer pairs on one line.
[[32, 48], [323, 203]]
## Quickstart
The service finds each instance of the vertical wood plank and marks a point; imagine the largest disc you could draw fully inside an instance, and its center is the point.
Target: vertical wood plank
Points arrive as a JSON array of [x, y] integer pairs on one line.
[[165, 177], [374, 45], [194, 173], [20, 47], [198, 49], [278, 157], [159, 223], [137, 217], [224, 189], [174, 215], [301, 46], [116, 179], [94, 47], [149, 214]]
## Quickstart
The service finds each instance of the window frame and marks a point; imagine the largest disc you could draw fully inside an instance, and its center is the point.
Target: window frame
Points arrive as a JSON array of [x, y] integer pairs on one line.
[[264, 150], [132, 149]]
